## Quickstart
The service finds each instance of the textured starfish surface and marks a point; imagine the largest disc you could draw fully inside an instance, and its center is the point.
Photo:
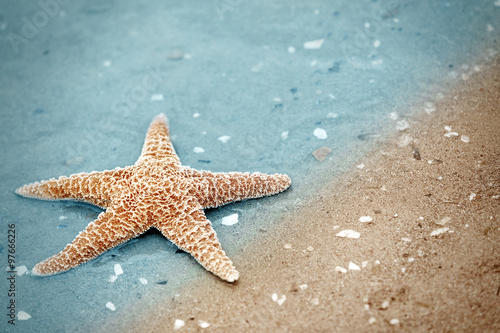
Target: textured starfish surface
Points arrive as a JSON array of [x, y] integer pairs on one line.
[[157, 191]]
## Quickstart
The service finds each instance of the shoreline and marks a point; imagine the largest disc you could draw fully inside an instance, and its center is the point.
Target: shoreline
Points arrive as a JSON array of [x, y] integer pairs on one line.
[[428, 260]]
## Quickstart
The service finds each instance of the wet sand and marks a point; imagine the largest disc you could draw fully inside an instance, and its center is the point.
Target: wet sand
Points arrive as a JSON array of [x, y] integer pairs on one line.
[[405, 275]]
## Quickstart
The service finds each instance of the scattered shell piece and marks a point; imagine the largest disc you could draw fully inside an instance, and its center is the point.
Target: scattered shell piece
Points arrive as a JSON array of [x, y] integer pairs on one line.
[[360, 166], [175, 54], [377, 262], [315, 301], [403, 270], [274, 297], [310, 248], [288, 246], [281, 300], [143, 281], [118, 269], [439, 231], [21, 315], [348, 234], [372, 320], [393, 116], [112, 278], [340, 269], [444, 221], [447, 128], [230, 219], [385, 305], [353, 267], [157, 97], [321, 153], [284, 135], [320, 133], [314, 44], [451, 135], [404, 239], [465, 138], [411, 259], [62, 217], [376, 43], [20, 270], [335, 227], [332, 114], [179, 323], [203, 324], [196, 115], [365, 219], [224, 138], [394, 322], [111, 306], [472, 196], [198, 150], [303, 286], [364, 264]]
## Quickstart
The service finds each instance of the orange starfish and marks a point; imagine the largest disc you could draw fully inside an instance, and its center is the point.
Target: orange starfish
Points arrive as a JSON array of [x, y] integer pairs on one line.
[[157, 191]]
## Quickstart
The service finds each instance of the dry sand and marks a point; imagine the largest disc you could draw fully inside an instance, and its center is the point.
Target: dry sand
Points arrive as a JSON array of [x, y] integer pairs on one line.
[[408, 280]]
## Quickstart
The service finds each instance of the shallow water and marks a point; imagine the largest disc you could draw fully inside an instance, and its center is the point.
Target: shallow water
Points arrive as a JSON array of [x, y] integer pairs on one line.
[[82, 81]]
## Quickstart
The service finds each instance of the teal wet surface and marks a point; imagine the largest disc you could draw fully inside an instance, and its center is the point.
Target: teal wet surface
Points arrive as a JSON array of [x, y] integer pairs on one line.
[[81, 81]]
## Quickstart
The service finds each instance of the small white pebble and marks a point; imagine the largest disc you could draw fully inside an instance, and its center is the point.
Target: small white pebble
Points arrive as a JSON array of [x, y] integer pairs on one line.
[[360, 166], [314, 44], [411, 259], [198, 150], [274, 297], [348, 234], [372, 320], [320, 133], [291, 49], [472, 196], [230, 219], [364, 264], [353, 267], [157, 97], [394, 321], [332, 114], [315, 301], [335, 227], [288, 246], [143, 281], [179, 323], [196, 115], [376, 43], [303, 286], [465, 138], [377, 262], [403, 270], [281, 300], [367, 307], [284, 135], [203, 324], [404, 239], [439, 231], [224, 138], [310, 248], [62, 217], [340, 269], [365, 219], [385, 305], [447, 128], [112, 278], [118, 269], [21, 315], [451, 135], [111, 306]]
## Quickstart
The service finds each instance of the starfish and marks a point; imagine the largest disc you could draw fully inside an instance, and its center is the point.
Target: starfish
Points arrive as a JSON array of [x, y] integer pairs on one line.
[[159, 192]]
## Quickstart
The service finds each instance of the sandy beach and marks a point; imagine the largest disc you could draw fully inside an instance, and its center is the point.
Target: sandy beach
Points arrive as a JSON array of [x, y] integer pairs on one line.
[[427, 257]]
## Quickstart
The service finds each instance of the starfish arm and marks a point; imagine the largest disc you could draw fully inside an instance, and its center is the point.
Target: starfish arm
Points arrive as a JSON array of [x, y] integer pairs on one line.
[[157, 145], [192, 232], [111, 228], [216, 189], [94, 188]]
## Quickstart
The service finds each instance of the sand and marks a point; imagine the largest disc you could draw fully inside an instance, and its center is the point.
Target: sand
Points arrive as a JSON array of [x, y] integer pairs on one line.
[[402, 277]]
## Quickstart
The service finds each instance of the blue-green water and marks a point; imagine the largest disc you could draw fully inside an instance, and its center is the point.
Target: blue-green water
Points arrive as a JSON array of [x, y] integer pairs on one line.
[[81, 81]]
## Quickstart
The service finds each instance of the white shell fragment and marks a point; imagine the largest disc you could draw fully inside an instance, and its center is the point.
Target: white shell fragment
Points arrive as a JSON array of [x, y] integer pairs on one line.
[[303, 286], [143, 281], [224, 138], [320, 133], [314, 44], [340, 269], [439, 231], [444, 221], [465, 138], [365, 219], [21, 315], [179, 323], [394, 322], [20, 270], [372, 320], [157, 97], [198, 150], [348, 234], [230, 219], [451, 135], [353, 267], [111, 306], [112, 278], [203, 324], [472, 196], [118, 269], [281, 300]]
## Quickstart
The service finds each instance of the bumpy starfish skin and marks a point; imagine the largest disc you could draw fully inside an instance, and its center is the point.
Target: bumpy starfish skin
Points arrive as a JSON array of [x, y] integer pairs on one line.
[[155, 192]]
